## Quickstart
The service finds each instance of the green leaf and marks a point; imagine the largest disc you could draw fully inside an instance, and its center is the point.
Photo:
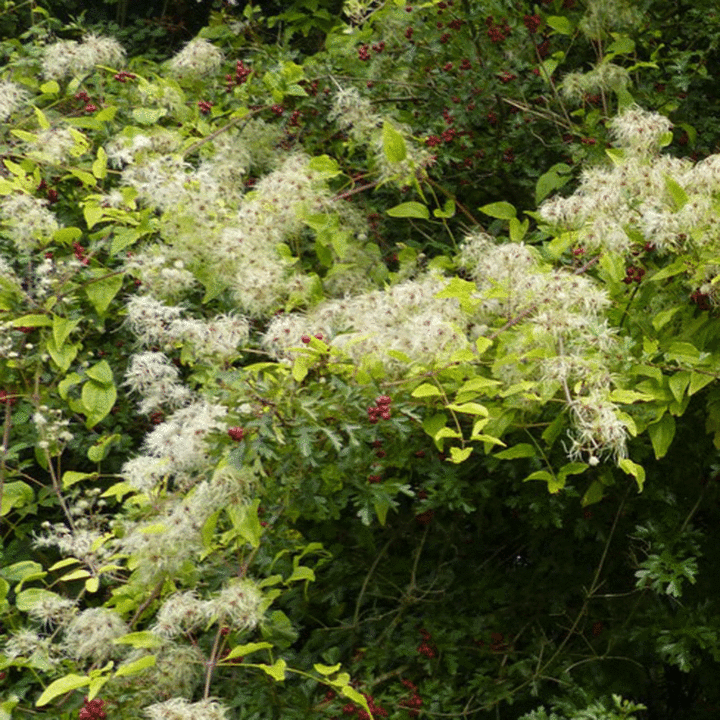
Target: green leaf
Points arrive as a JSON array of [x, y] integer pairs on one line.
[[593, 494], [32, 321], [15, 495], [136, 666], [678, 384], [555, 178], [522, 450], [470, 408], [63, 356], [101, 292], [86, 178], [664, 316], [426, 390], [482, 344], [300, 573], [448, 210], [661, 435], [560, 24], [143, 639], [67, 235], [409, 209], [393, 143], [98, 400], [100, 449], [62, 327], [381, 507], [326, 670], [501, 210], [675, 268], [50, 88], [70, 477], [99, 166], [276, 671], [628, 397], [61, 686], [246, 522], [459, 455], [637, 471], [93, 214], [518, 229], [243, 650], [325, 166], [28, 599], [23, 571], [676, 192], [123, 238], [100, 373]]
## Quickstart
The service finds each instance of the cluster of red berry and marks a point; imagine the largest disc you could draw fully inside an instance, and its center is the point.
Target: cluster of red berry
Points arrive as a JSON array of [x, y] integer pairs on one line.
[[532, 23], [80, 253], [93, 710], [241, 75], [633, 274], [497, 31], [236, 433], [82, 96], [123, 76], [205, 106], [425, 647], [380, 410], [702, 300], [414, 702]]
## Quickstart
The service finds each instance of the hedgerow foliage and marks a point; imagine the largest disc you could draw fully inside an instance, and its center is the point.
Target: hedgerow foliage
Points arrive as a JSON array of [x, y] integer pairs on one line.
[[307, 413]]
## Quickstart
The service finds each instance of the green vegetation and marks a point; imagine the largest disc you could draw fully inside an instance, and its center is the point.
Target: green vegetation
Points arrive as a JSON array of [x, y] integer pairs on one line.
[[360, 364]]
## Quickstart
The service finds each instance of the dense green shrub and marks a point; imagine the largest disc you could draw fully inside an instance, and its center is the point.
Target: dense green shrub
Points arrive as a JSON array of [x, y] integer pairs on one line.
[[274, 451]]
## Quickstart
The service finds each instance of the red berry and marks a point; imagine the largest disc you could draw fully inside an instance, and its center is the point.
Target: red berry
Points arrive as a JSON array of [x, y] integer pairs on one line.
[[383, 400], [236, 433], [305, 339]]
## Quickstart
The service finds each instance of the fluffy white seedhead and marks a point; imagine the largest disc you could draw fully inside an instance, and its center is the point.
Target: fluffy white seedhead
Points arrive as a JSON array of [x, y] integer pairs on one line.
[[180, 613], [181, 709], [152, 376], [197, 59], [89, 636], [70, 58], [28, 221], [238, 605], [639, 131], [404, 320], [12, 98]]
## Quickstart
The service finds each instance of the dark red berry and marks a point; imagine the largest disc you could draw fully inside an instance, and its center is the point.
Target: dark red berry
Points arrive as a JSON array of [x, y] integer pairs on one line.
[[236, 433]]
